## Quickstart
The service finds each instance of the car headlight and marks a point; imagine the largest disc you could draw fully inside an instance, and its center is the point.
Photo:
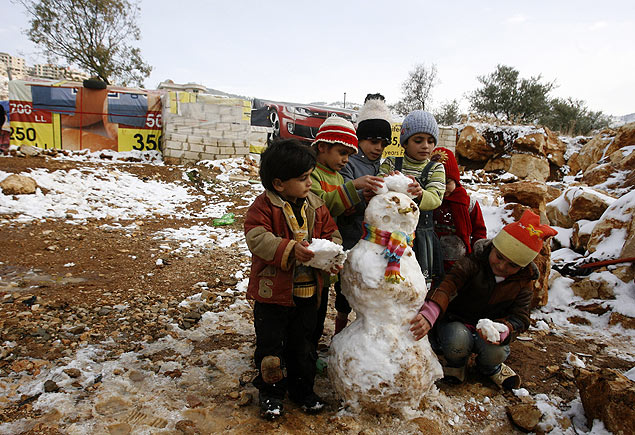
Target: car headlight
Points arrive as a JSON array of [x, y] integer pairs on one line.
[[303, 111]]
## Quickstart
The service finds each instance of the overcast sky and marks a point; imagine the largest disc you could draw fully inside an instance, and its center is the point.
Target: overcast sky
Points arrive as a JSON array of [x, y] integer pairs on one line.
[[306, 52]]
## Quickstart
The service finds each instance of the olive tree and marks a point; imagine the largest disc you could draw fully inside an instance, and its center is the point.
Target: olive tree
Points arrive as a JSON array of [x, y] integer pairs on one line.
[[94, 35], [506, 96], [417, 89]]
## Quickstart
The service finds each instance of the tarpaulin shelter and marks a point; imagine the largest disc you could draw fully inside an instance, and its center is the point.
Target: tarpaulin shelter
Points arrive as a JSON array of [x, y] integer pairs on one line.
[[69, 115]]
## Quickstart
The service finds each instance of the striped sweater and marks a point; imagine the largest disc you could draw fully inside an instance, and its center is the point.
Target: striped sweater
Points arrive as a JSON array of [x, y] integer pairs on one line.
[[435, 188], [330, 186]]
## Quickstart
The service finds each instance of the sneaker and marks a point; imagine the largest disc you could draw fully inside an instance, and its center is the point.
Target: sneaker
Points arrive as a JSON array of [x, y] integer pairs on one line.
[[270, 369], [506, 378], [454, 375], [311, 404], [270, 407]]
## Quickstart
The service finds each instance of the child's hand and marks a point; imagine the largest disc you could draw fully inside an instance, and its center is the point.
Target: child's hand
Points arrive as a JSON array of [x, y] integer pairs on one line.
[[370, 182], [336, 269], [420, 326], [368, 194], [301, 253], [484, 337], [415, 188]]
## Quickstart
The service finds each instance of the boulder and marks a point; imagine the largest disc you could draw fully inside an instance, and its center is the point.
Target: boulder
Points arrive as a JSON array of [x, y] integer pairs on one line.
[[608, 396], [524, 415], [625, 136], [529, 166], [533, 143], [627, 322], [598, 174], [593, 288], [593, 151], [473, 146], [555, 148], [16, 184], [532, 194], [587, 204], [581, 234], [498, 164], [616, 224]]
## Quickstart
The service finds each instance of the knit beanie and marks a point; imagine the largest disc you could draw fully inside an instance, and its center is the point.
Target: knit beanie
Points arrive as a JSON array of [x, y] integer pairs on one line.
[[446, 156], [419, 121], [337, 130], [374, 120], [521, 241]]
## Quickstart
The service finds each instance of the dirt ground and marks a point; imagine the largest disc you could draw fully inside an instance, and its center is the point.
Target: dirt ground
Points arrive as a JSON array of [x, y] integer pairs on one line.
[[51, 312]]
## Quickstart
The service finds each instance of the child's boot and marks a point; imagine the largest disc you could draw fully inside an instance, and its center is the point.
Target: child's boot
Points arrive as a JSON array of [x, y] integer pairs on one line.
[[506, 378], [271, 407], [311, 404], [454, 375], [341, 320]]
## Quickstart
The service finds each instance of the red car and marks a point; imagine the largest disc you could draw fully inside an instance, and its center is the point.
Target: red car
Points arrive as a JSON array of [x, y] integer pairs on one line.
[[294, 121]]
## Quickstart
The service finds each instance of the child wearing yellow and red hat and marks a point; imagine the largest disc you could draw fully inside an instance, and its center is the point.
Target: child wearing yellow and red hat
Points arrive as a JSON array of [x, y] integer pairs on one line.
[[492, 285], [458, 222]]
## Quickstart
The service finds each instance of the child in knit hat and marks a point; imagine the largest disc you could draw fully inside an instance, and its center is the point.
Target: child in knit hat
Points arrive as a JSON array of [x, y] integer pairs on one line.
[[419, 135], [458, 222], [374, 133], [483, 302], [335, 142]]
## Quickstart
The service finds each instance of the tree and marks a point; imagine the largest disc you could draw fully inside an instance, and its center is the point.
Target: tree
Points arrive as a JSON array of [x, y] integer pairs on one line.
[[94, 35], [505, 96], [417, 89], [449, 113], [572, 117]]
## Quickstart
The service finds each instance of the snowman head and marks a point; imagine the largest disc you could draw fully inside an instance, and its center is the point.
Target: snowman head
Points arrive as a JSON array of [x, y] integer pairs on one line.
[[392, 211]]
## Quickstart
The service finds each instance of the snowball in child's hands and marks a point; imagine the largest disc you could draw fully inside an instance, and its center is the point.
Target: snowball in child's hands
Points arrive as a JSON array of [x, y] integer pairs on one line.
[[396, 182], [327, 255], [301, 252], [491, 330]]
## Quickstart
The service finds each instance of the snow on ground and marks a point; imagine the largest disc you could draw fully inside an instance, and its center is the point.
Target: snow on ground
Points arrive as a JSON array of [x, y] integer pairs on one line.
[[108, 192]]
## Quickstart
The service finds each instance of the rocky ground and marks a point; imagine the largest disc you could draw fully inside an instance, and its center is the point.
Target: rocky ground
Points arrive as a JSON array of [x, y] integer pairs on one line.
[[105, 329]]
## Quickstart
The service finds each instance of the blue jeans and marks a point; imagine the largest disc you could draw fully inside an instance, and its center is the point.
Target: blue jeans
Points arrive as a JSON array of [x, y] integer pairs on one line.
[[457, 342]]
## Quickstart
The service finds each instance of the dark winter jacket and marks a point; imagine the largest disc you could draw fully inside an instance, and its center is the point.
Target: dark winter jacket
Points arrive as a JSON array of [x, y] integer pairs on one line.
[[350, 225], [270, 240], [469, 292]]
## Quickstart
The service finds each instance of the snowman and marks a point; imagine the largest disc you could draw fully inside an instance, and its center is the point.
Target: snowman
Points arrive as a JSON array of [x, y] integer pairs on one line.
[[375, 363]]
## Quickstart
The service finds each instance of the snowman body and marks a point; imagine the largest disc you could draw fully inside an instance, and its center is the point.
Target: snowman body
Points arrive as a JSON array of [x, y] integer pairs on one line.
[[375, 363]]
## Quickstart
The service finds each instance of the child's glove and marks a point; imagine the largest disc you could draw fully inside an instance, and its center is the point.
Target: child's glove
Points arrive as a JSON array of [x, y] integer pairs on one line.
[[492, 332]]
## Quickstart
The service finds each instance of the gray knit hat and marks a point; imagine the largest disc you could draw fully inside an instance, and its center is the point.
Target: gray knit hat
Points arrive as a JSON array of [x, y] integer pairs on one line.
[[419, 121]]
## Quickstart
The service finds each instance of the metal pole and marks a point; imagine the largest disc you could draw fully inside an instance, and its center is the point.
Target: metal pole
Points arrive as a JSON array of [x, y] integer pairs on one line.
[[345, 100]]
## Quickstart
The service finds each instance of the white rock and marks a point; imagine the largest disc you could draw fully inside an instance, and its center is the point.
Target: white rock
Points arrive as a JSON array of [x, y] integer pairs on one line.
[[327, 254], [574, 361], [490, 329]]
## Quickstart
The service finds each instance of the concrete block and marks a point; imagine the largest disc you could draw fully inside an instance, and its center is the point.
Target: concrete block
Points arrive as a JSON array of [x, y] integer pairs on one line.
[[226, 143], [207, 156], [195, 139], [227, 134], [177, 137], [174, 145], [196, 148], [191, 156], [222, 126], [242, 150], [242, 128], [227, 150], [224, 110], [210, 149], [173, 153], [211, 109]]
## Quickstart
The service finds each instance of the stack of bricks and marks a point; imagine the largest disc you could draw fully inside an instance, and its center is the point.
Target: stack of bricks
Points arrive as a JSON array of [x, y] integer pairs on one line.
[[206, 127], [447, 138]]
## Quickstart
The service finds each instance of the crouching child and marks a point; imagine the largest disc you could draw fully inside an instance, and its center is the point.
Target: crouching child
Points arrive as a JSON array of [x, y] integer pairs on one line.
[[279, 226], [483, 302]]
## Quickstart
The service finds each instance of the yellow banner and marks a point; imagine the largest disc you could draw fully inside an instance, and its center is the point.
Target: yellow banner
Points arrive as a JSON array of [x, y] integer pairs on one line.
[[394, 149], [139, 139], [35, 134]]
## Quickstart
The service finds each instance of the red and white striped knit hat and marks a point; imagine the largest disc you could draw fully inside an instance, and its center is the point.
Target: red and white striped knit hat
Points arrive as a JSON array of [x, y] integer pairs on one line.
[[337, 130]]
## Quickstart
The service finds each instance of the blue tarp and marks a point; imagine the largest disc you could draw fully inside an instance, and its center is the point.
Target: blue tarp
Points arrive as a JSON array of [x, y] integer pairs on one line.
[[54, 99], [128, 109]]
